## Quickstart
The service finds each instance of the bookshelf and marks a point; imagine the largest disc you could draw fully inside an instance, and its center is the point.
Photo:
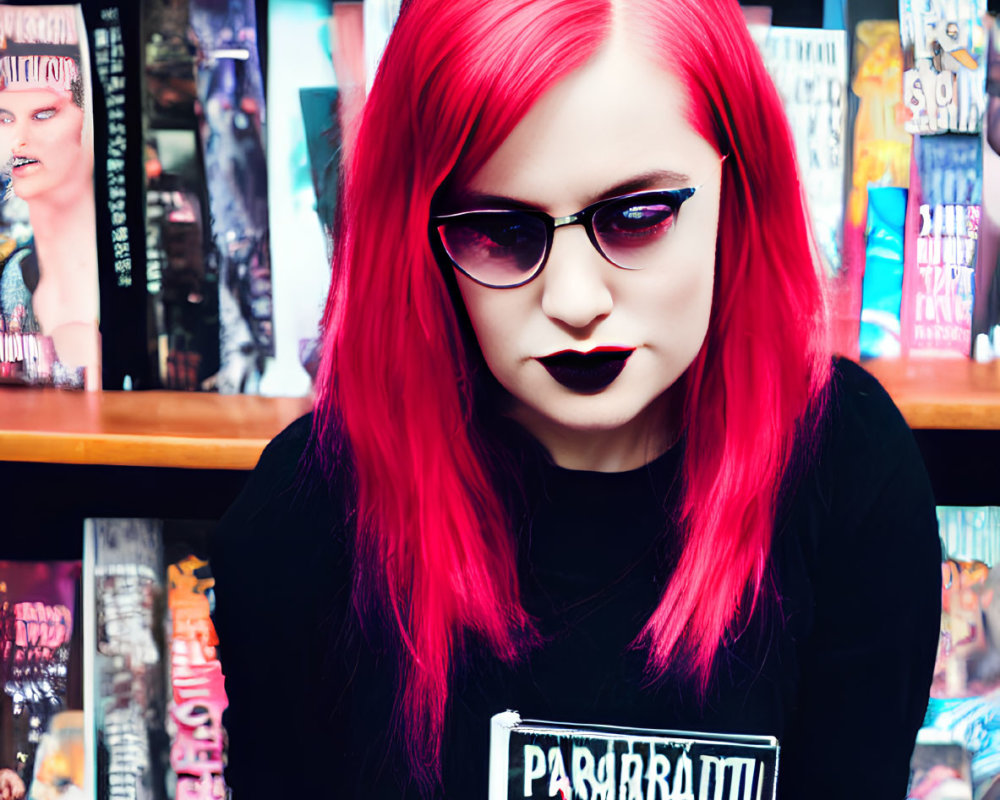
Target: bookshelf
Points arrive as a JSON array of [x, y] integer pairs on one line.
[[141, 429], [68, 455], [215, 432], [956, 394]]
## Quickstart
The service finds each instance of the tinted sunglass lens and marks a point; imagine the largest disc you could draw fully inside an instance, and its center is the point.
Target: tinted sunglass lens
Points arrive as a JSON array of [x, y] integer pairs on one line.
[[633, 230], [498, 248]]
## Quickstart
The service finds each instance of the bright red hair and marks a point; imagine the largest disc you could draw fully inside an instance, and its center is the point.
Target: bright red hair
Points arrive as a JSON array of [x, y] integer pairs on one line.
[[395, 400]]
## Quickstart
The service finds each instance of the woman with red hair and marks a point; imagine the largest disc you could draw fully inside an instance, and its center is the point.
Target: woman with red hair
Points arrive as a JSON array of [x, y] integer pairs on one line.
[[579, 447]]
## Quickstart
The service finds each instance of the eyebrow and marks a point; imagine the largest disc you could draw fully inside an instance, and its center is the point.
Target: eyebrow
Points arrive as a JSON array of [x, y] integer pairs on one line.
[[653, 179]]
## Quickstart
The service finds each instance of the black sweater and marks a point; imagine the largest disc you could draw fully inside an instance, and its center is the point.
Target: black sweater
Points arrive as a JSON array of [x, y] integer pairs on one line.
[[838, 669]]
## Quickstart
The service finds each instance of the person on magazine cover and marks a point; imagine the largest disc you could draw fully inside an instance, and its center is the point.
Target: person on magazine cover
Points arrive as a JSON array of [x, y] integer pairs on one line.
[[579, 448], [48, 155]]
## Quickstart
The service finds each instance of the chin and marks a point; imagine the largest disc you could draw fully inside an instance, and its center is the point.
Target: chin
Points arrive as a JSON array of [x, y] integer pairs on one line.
[[586, 414]]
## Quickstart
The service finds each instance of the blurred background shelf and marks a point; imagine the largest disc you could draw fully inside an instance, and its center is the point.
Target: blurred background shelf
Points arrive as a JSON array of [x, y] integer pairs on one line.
[[211, 431], [65, 456], [956, 394], [141, 429]]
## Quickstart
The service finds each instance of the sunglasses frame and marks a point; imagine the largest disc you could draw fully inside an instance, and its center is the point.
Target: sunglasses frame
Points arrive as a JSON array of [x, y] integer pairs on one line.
[[584, 217]]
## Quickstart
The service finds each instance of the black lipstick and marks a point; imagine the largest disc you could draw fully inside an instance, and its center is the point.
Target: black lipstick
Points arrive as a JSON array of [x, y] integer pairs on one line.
[[587, 373]]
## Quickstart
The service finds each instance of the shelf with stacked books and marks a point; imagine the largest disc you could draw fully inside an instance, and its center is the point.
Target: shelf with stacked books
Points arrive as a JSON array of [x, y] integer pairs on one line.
[[141, 429]]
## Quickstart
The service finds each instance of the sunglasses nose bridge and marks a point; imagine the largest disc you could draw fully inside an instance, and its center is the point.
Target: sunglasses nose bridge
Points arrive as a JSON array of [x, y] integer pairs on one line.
[[585, 219], [579, 218]]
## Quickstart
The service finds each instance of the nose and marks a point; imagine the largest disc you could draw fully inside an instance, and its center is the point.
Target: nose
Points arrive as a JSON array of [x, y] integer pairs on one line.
[[574, 289], [18, 137]]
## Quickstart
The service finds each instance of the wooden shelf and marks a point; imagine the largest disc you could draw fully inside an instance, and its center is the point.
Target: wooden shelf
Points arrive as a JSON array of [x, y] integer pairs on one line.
[[143, 429], [210, 431], [948, 394]]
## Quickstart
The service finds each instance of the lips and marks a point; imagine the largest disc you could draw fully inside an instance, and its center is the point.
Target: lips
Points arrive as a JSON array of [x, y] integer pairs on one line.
[[17, 162], [587, 373]]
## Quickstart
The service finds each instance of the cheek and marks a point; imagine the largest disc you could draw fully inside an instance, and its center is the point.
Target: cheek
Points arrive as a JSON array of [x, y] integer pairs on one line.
[[497, 317], [678, 299], [64, 135]]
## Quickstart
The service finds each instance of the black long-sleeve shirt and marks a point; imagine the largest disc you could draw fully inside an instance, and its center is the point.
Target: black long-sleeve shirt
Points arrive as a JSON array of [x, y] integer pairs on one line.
[[838, 670]]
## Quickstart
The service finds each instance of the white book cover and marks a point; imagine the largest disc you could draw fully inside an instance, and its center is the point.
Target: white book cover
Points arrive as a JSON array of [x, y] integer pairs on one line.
[[809, 67], [534, 758]]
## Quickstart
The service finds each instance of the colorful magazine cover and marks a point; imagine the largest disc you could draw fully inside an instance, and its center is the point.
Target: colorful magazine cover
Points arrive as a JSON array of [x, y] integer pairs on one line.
[[880, 157], [809, 67], [944, 53], [940, 768], [127, 683], [115, 54], [231, 108], [943, 231], [881, 299], [49, 286], [197, 694], [964, 705], [158, 692], [41, 744], [181, 263]]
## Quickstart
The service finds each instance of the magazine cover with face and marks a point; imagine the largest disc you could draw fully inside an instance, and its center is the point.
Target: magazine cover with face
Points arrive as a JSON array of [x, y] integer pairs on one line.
[[49, 297]]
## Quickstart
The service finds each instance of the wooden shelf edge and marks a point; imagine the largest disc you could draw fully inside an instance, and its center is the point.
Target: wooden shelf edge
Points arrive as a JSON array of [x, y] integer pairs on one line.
[[957, 394], [131, 450], [190, 431], [142, 429]]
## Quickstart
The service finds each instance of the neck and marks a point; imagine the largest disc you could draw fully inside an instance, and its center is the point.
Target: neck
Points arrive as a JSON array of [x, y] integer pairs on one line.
[[64, 237], [630, 446]]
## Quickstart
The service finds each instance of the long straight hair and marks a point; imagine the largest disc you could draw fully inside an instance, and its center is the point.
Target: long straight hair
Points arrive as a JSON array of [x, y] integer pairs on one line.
[[433, 548]]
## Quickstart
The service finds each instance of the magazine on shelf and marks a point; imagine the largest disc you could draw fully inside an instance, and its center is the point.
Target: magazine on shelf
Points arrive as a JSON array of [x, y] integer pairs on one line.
[[41, 718], [113, 28], [379, 20], [945, 205], [157, 694], [534, 758], [231, 119], [182, 277], [880, 156], [303, 163], [809, 67], [944, 62], [881, 297], [962, 719], [49, 286], [940, 767]]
